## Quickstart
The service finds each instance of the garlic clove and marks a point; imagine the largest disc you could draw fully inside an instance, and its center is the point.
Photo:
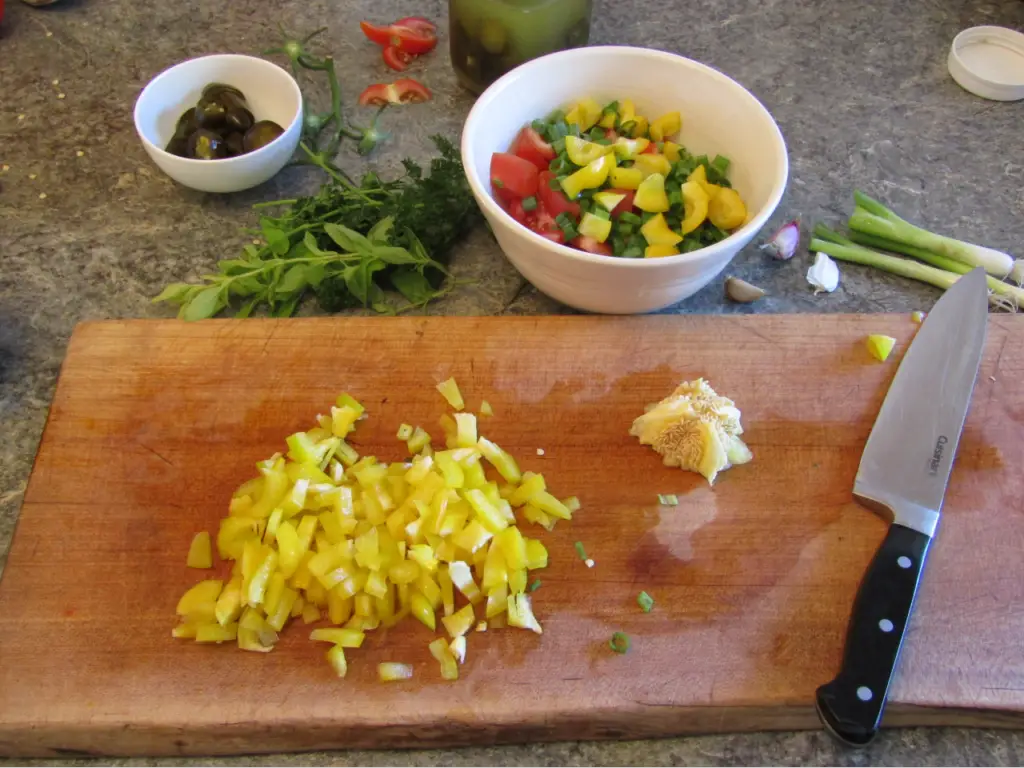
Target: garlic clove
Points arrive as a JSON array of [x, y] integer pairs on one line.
[[823, 274], [741, 291], [783, 244]]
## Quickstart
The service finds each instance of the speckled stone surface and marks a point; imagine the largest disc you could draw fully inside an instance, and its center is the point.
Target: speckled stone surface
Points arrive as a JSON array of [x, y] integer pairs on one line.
[[90, 229]]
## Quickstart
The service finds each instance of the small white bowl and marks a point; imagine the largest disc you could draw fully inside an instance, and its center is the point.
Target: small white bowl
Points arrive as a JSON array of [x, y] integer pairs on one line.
[[272, 94], [719, 117]]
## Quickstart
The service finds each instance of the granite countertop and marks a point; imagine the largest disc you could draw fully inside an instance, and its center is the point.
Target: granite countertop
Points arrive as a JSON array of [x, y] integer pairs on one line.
[[90, 229]]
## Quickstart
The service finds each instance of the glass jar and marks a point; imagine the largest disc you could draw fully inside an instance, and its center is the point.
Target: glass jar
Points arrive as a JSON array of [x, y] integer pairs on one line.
[[490, 37]]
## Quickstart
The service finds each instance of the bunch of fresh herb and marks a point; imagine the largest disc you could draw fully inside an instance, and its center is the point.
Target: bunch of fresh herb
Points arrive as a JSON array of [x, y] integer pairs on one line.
[[349, 242]]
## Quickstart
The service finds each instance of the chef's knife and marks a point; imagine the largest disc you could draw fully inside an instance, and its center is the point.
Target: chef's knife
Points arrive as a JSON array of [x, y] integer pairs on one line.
[[902, 476]]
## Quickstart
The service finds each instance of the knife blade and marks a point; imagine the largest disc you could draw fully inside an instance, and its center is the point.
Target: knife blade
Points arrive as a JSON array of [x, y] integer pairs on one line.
[[902, 476]]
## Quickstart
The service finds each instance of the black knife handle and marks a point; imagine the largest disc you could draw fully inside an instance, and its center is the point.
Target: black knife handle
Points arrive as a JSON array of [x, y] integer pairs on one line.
[[851, 705]]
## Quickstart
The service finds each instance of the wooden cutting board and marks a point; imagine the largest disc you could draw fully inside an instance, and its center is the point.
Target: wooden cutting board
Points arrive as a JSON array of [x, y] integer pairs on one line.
[[155, 423]]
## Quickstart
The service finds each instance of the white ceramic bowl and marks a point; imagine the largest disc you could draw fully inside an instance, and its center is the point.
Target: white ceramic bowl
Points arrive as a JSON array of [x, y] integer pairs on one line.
[[719, 117], [272, 94]]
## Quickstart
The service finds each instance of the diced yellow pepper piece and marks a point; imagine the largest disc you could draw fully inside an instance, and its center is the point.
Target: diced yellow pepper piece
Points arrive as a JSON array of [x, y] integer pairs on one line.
[[502, 461], [609, 200], [421, 609], [726, 209], [486, 409], [520, 613], [336, 658], [186, 631], [497, 601], [652, 163], [517, 581], [532, 484], [657, 232], [880, 346], [392, 671], [310, 613], [215, 633], [444, 581], [595, 227], [639, 127], [201, 599], [289, 549], [449, 389], [229, 603], [671, 151], [465, 435], [282, 612], [449, 666], [534, 515], [200, 554], [495, 569], [658, 251], [462, 578], [346, 638], [585, 114], [695, 206], [488, 515], [536, 554], [701, 177], [513, 547], [459, 623], [626, 178], [545, 502], [651, 196], [627, 111], [590, 176], [628, 149], [665, 126], [458, 648], [582, 152]]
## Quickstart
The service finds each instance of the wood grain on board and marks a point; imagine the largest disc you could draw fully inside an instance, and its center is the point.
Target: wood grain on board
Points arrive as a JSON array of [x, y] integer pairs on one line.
[[155, 423]]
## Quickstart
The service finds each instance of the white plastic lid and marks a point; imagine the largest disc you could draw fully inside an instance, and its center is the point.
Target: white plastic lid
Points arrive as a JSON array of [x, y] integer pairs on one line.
[[989, 62]]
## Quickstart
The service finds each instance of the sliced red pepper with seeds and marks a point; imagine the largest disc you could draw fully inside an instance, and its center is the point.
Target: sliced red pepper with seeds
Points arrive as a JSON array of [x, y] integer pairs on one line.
[[413, 35], [404, 91], [397, 59]]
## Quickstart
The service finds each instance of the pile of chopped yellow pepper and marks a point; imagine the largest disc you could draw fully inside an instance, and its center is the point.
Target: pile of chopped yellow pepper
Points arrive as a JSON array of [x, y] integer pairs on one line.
[[323, 530]]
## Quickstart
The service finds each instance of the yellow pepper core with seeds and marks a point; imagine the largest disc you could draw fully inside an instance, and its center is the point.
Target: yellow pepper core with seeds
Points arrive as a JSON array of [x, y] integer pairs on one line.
[[323, 529], [695, 429]]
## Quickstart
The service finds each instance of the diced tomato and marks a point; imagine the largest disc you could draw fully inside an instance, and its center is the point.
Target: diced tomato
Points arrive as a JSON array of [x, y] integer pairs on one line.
[[516, 211], [404, 91], [397, 59], [650, 149], [414, 37], [555, 236], [512, 177], [609, 133], [531, 146], [590, 245], [627, 201], [554, 200]]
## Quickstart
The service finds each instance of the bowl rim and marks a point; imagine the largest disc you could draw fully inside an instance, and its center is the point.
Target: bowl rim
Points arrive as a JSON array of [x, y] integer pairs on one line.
[[222, 161], [495, 90]]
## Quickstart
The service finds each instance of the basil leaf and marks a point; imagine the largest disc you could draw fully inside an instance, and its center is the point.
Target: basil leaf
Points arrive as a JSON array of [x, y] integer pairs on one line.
[[315, 274], [310, 242], [412, 285], [390, 254], [360, 279], [175, 293], [381, 231], [276, 239], [246, 310], [204, 304], [348, 239], [294, 279], [234, 266]]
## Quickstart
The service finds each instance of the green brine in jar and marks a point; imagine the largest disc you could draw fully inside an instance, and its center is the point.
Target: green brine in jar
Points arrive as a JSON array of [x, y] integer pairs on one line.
[[490, 37]]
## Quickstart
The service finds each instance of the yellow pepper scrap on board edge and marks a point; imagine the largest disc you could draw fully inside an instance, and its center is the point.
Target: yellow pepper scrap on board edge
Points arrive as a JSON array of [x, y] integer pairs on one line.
[[324, 530]]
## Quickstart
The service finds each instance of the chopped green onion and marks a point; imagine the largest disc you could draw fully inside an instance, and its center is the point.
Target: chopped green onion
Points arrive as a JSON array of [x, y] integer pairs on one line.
[[625, 229], [668, 499], [604, 142], [628, 126], [619, 642], [691, 244], [630, 218], [633, 252], [601, 213], [870, 217], [539, 126], [675, 197], [580, 550], [558, 145], [534, 587], [645, 601], [529, 203], [612, 107], [553, 183]]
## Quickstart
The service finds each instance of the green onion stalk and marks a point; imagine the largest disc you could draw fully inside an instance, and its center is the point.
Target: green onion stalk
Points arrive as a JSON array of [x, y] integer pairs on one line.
[[880, 227], [939, 271]]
